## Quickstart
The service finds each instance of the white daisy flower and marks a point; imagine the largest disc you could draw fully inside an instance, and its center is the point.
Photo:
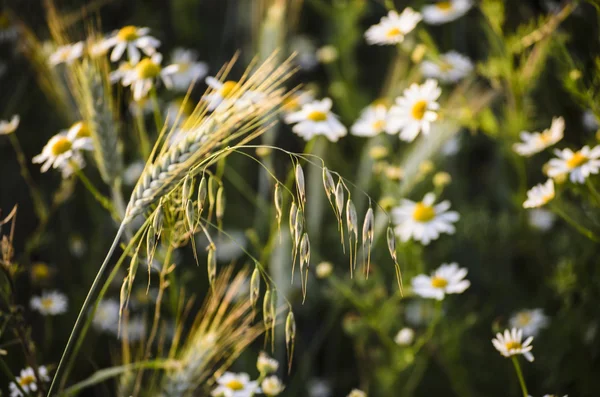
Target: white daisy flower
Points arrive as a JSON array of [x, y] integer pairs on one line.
[[319, 388], [66, 54], [392, 28], [60, 153], [579, 165], [144, 75], [510, 344], [372, 121], [541, 219], [540, 194], [295, 101], [450, 68], [133, 39], [424, 220], [8, 127], [357, 393], [266, 364], [531, 321], [272, 386], [189, 69], [28, 381], [405, 337], [590, 121], [316, 118], [117, 75], [50, 303], [414, 111], [235, 385], [80, 135], [447, 279], [445, 11], [106, 318], [536, 142]]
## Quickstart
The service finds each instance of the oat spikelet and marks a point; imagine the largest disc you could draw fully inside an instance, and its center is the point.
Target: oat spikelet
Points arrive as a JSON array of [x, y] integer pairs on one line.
[[290, 337], [300, 184], [368, 234], [391, 241], [352, 226]]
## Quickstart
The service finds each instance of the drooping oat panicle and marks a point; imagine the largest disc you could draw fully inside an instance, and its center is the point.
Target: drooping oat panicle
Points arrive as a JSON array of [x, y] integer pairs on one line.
[[290, 337], [368, 234], [223, 328], [227, 125], [300, 184]]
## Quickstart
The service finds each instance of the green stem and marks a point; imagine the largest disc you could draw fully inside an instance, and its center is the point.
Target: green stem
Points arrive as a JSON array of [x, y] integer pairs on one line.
[[143, 134], [83, 311], [103, 200], [581, 229], [520, 376], [593, 189]]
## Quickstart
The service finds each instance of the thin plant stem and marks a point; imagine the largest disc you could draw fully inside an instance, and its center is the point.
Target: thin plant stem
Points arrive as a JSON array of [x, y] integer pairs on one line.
[[520, 376], [593, 189], [581, 229], [82, 312], [143, 134], [156, 110], [102, 199]]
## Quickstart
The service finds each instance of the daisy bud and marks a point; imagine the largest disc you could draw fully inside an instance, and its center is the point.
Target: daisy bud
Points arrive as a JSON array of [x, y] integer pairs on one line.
[[441, 179], [324, 269], [378, 152], [300, 185], [271, 386]]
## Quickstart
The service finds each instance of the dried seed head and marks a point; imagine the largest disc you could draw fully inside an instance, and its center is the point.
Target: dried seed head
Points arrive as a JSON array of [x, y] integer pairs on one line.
[[211, 264], [190, 215], [278, 199], [188, 187], [391, 241], [339, 198], [328, 182], [300, 184], [202, 192], [304, 251], [368, 227], [220, 209], [255, 287], [351, 218]]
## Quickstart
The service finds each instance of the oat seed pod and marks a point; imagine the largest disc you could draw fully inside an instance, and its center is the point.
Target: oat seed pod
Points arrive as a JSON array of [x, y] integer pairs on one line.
[[351, 218], [202, 192], [278, 200], [124, 296], [188, 187], [190, 215], [254, 287], [293, 219], [368, 225], [211, 192], [133, 267], [220, 203], [267, 318], [339, 198], [211, 265], [391, 241], [304, 251], [300, 184], [328, 182], [290, 337]]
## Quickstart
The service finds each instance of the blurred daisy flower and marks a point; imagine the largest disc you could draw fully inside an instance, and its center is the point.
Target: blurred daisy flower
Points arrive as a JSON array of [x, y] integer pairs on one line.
[[445, 11], [450, 68], [66, 54], [40, 272], [447, 279], [306, 52], [266, 364], [372, 121], [510, 344], [531, 321], [146, 73], [8, 127], [414, 111], [106, 318], [235, 385], [316, 118], [423, 221], [536, 142], [392, 28], [405, 337], [271, 386], [296, 100], [357, 393], [28, 381], [540, 194], [589, 120], [81, 136], [117, 75], [50, 303], [318, 388], [579, 165], [189, 69], [60, 153], [541, 219], [133, 39]]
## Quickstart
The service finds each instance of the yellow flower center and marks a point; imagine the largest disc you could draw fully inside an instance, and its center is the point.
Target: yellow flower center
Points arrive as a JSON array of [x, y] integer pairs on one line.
[[438, 282], [235, 385], [393, 32], [444, 6], [147, 69], [418, 109], [546, 137], [577, 160], [446, 67], [378, 125], [512, 345], [82, 130], [27, 380], [317, 115], [423, 213], [128, 33], [62, 145], [523, 319], [183, 67], [47, 303], [228, 88], [40, 271]]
